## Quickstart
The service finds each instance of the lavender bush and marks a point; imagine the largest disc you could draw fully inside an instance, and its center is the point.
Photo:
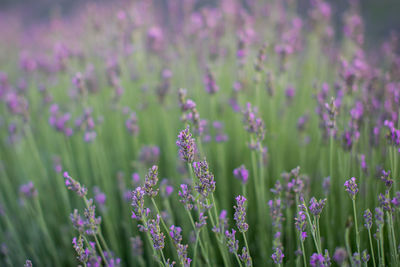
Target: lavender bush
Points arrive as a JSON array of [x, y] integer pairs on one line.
[[219, 135]]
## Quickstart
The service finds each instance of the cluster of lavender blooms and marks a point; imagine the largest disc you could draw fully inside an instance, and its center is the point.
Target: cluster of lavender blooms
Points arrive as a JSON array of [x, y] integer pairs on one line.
[[187, 146], [89, 253], [190, 113], [241, 173], [219, 136], [138, 53], [255, 126]]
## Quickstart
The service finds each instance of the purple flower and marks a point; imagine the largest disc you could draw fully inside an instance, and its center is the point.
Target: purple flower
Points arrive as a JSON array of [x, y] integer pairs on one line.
[[149, 155], [241, 173], [92, 222], [28, 190], [151, 180], [187, 146], [245, 257], [74, 185], [83, 254], [186, 197], [28, 263], [277, 256], [137, 246], [317, 260], [385, 177], [131, 124], [340, 256], [365, 256], [176, 236], [253, 125], [232, 243], [202, 220], [240, 214], [156, 235], [356, 259], [206, 183], [379, 217], [396, 200], [368, 219], [351, 187], [209, 83], [316, 206], [77, 222], [175, 233], [99, 197], [384, 201], [301, 224], [139, 211]]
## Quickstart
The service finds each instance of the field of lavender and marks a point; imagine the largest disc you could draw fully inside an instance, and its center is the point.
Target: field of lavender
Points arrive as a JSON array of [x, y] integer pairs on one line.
[[190, 135]]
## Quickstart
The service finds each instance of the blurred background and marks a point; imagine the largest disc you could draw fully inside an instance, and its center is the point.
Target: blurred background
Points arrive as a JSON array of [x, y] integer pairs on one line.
[[381, 17]]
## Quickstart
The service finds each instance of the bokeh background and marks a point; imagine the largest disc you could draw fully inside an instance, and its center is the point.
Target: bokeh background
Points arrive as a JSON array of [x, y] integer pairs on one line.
[[381, 17]]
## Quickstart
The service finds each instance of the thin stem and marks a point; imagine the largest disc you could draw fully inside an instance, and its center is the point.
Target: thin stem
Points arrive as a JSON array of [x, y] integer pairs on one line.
[[162, 255], [371, 246], [356, 226], [100, 249], [312, 227], [347, 242], [247, 247], [304, 254], [382, 245]]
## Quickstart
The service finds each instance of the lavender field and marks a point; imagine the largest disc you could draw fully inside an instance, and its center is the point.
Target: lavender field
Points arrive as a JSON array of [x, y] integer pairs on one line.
[[256, 133]]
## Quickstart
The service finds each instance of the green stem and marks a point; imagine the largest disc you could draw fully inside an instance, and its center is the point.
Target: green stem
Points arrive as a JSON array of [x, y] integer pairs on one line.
[[247, 247], [356, 226], [371, 246]]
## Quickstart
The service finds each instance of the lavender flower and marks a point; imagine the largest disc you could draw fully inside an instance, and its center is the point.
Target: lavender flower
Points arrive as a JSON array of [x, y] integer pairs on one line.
[[149, 155], [379, 217], [99, 197], [175, 233], [365, 256], [253, 125], [77, 222], [209, 83], [176, 236], [384, 201], [202, 220], [137, 246], [396, 200], [241, 173], [92, 222], [186, 197], [232, 243], [340, 256], [351, 187], [156, 235], [356, 259], [301, 224], [240, 214], [139, 211], [316, 206], [82, 253], [277, 256], [368, 219], [206, 183], [131, 124], [245, 257], [187, 146], [74, 185], [28, 263], [151, 180], [28, 190], [317, 260]]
